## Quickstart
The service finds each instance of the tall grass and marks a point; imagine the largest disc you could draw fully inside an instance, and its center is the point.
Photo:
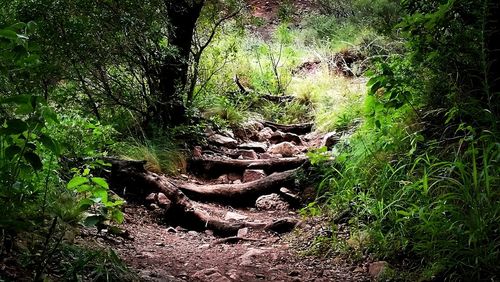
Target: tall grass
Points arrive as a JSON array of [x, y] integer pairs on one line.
[[162, 154]]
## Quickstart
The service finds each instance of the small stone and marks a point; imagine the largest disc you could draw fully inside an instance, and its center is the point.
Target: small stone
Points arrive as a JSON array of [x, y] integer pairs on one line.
[[154, 206], [247, 259], [242, 232], [233, 274], [204, 246], [184, 176], [237, 181], [192, 233], [171, 230], [265, 134], [271, 202], [376, 269], [209, 232], [223, 179], [253, 174], [223, 141], [161, 244], [234, 216], [163, 201], [248, 154], [180, 229], [197, 152], [151, 197], [286, 149], [255, 146], [330, 139]]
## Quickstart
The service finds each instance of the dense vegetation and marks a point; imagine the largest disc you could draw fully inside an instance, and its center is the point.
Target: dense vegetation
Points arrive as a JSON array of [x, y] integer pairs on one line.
[[416, 176]]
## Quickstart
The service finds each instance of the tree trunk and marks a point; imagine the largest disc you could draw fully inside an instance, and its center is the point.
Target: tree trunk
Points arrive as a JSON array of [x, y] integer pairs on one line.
[[239, 194], [183, 15], [220, 166]]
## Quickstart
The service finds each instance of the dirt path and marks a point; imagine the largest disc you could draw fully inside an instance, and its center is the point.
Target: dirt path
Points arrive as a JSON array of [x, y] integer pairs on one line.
[[160, 250]]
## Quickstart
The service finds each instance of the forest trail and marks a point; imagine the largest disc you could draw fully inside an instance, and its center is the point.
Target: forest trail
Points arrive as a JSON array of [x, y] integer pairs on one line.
[[161, 250]]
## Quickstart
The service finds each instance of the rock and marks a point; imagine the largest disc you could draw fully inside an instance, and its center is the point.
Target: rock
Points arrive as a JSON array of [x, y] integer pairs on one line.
[[163, 201], [170, 229], [154, 206], [223, 141], [265, 134], [223, 179], [271, 202], [249, 130], [330, 139], [242, 232], [160, 244], [180, 229], [233, 274], [289, 195], [204, 246], [279, 137], [286, 149], [234, 216], [197, 152], [253, 174], [192, 233], [282, 225], [227, 132], [248, 154], [376, 269], [248, 258], [152, 197], [254, 146], [237, 181]]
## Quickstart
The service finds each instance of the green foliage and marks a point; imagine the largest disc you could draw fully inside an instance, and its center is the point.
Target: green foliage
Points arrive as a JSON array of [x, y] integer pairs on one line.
[[81, 264], [92, 195], [420, 177]]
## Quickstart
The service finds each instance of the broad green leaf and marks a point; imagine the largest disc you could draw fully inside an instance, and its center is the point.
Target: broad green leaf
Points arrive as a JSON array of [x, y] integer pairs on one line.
[[85, 204], [93, 220], [117, 216], [8, 34], [83, 188], [11, 151], [101, 182], [34, 160], [77, 181], [18, 100], [114, 204], [51, 144], [15, 126], [49, 115], [100, 194]]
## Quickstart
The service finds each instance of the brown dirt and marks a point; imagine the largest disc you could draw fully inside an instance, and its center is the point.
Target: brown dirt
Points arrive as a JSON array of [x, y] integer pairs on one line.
[[268, 12], [161, 253]]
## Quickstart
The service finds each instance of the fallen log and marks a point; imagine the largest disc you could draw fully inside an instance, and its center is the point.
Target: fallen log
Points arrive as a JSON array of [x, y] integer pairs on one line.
[[239, 194], [209, 166], [302, 128], [132, 176]]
